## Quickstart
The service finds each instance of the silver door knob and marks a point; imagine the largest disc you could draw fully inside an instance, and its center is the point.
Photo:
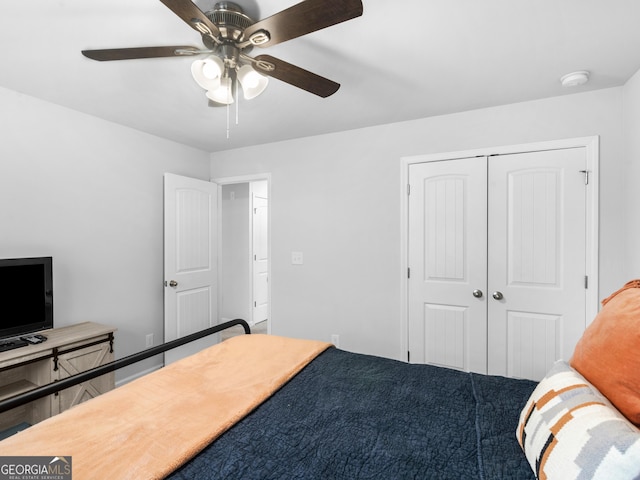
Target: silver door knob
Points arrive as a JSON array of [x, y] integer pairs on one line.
[[477, 293], [497, 295], [173, 283]]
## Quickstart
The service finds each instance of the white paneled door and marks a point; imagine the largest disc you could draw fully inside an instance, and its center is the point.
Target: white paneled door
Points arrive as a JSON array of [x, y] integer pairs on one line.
[[190, 267], [537, 251], [447, 260], [497, 249], [260, 212]]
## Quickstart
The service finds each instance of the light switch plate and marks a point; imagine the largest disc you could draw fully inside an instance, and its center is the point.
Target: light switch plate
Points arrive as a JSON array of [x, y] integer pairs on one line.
[[296, 258]]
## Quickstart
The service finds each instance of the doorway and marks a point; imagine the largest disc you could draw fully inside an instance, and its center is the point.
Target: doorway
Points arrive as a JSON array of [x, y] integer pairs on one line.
[[244, 267]]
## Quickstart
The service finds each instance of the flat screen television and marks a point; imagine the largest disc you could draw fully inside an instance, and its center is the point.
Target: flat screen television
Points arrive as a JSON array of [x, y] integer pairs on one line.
[[26, 296]]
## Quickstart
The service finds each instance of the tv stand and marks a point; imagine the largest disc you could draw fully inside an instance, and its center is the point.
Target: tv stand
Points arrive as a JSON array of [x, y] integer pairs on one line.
[[67, 351], [12, 343]]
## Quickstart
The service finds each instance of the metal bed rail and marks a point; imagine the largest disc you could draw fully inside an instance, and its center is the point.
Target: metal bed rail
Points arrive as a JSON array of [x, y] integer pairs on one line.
[[43, 391]]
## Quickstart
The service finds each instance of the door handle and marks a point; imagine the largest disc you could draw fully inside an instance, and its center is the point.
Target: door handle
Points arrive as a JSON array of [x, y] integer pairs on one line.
[[497, 295], [173, 283], [477, 293]]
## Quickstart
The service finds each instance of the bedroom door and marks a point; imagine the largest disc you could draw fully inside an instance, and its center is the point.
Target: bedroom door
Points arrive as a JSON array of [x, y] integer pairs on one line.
[[496, 250], [190, 262]]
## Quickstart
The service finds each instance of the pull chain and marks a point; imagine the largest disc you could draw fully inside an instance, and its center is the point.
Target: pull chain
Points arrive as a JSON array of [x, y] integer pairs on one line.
[[229, 98], [237, 103]]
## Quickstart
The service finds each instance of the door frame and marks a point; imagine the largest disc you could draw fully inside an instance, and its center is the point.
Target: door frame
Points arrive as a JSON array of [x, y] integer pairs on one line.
[[233, 181], [592, 150]]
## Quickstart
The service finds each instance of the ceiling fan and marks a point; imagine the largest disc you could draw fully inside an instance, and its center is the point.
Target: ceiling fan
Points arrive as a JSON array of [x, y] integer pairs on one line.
[[229, 34]]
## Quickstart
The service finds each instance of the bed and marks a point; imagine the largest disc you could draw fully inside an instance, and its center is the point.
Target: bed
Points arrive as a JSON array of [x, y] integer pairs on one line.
[[270, 407], [314, 412], [352, 416]]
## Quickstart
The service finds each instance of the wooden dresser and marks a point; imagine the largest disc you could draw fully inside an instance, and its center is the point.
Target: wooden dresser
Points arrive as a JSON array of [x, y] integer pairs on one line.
[[67, 351]]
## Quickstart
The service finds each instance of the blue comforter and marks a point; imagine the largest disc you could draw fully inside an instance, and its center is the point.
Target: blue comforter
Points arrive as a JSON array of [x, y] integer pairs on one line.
[[352, 416]]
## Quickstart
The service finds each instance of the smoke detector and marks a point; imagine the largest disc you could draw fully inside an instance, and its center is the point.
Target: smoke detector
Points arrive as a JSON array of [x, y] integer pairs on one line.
[[574, 79]]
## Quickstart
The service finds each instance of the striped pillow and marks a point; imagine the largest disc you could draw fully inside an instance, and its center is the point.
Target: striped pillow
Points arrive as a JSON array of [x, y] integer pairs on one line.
[[569, 430]]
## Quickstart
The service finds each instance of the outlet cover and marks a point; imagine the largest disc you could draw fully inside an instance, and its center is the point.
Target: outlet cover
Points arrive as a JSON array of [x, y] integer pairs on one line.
[[296, 258]]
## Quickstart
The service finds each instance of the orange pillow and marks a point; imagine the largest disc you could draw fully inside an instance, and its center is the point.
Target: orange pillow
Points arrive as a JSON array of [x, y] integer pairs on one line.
[[608, 354]]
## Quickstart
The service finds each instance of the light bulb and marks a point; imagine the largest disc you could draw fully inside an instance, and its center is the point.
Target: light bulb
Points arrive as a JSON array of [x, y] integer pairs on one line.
[[253, 83], [210, 70], [252, 79], [223, 93], [207, 72]]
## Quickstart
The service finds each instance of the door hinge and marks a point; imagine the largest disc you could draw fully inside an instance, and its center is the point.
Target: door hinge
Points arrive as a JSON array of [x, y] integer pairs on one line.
[[255, 304], [586, 282], [586, 176], [408, 273], [408, 189], [408, 356]]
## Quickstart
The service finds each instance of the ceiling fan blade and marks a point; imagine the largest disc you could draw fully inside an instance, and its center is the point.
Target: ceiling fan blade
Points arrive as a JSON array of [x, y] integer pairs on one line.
[[296, 76], [139, 52], [303, 18], [193, 16]]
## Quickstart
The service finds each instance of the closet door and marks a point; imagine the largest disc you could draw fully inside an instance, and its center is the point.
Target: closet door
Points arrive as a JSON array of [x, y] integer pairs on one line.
[[448, 263], [536, 260], [497, 255]]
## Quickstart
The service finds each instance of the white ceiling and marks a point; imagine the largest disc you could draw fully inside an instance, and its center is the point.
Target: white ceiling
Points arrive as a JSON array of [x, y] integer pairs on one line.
[[401, 60]]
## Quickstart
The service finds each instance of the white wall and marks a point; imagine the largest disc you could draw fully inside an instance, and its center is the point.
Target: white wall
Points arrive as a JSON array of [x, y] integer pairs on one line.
[[632, 158], [89, 193], [336, 198]]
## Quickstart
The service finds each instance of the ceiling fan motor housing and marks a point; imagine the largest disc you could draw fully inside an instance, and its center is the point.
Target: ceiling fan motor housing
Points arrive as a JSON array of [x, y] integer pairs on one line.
[[230, 20]]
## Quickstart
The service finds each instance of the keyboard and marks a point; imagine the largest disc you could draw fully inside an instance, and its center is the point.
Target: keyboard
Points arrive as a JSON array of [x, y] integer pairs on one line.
[[11, 344]]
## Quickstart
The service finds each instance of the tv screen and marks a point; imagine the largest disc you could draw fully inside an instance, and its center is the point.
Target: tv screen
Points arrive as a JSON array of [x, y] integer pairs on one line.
[[26, 295]]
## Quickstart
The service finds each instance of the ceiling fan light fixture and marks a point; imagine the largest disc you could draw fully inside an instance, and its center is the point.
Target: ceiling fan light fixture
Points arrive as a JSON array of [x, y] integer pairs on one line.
[[223, 93], [253, 83], [207, 72]]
